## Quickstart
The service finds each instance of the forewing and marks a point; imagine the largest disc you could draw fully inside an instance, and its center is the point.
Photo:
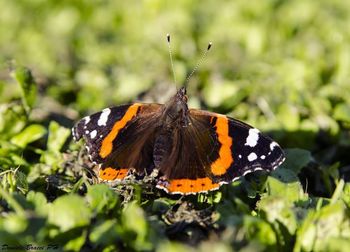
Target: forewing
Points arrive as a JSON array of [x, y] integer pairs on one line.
[[213, 150], [242, 148], [119, 138]]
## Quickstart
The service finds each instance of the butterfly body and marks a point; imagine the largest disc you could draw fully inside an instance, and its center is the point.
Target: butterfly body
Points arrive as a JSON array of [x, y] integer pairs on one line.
[[192, 150]]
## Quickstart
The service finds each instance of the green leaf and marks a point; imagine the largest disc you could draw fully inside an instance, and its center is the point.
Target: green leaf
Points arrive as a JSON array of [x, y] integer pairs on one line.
[[320, 227], [278, 210], [75, 244], [28, 86], [104, 232], [284, 175], [291, 192], [289, 116], [306, 234], [346, 194], [174, 247], [14, 180], [342, 112], [241, 206], [28, 135], [12, 120], [296, 159], [68, 212], [338, 191], [134, 221], [39, 201], [101, 197], [258, 229], [12, 202], [228, 92], [335, 244], [160, 205], [21, 181], [57, 136], [11, 156], [15, 224]]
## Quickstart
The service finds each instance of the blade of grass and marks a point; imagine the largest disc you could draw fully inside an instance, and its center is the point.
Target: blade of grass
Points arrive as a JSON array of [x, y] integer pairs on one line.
[[12, 202]]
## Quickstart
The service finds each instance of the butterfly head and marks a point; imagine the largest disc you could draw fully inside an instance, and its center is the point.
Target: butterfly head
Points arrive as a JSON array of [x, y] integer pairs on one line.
[[181, 95], [176, 110]]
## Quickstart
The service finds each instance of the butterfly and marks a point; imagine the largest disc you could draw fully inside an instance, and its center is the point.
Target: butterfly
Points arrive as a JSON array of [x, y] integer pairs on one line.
[[191, 150]]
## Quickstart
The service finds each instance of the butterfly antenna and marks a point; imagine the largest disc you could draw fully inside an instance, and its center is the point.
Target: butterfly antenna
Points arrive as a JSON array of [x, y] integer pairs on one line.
[[199, 63], [171, 57]]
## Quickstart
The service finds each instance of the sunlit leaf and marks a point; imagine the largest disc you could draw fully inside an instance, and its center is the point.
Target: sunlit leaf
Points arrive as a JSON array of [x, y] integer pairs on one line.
[[39, 202], [101, 198], [57, 136], [134, 221], [69, 211], [28, 86], [12, 120], [15, 224], [28, 135], [291, 192], [104, 232], [342, 112], [75, 244]]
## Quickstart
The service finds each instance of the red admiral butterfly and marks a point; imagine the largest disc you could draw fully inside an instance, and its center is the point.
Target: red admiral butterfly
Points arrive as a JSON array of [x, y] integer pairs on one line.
[[192, 150]]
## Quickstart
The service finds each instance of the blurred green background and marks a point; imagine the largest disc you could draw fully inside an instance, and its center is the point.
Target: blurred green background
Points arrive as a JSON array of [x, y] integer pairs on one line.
[[282, 66]]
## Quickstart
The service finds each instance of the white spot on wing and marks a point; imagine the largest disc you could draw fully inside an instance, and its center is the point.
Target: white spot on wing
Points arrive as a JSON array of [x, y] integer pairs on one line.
[[74, 134], [273, 145], [252, 138], [240, 156], [87, 132], [93, 134], [246, 172], [252, 156], [263, 157], [102, 121], [87, 119]]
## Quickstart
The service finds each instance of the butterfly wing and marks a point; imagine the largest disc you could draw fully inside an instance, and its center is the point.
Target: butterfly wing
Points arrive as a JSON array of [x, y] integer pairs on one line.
[[186, 167], [120, 138], [216, 149]]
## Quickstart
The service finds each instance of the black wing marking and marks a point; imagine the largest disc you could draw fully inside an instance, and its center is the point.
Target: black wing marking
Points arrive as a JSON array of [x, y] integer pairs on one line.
[[133, 147], [251, 150], [97, 127]]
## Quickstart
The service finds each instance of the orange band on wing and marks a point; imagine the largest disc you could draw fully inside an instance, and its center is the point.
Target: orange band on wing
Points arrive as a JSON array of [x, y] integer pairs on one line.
[[220, 166], [110, 173], [186, 186], [107, 143]]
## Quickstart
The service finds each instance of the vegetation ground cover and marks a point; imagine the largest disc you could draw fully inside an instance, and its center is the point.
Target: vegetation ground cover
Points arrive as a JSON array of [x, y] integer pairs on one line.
[[282, 66]]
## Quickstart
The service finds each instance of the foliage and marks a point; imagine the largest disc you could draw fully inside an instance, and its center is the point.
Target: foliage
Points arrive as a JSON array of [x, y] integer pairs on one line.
[[282, 66]]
